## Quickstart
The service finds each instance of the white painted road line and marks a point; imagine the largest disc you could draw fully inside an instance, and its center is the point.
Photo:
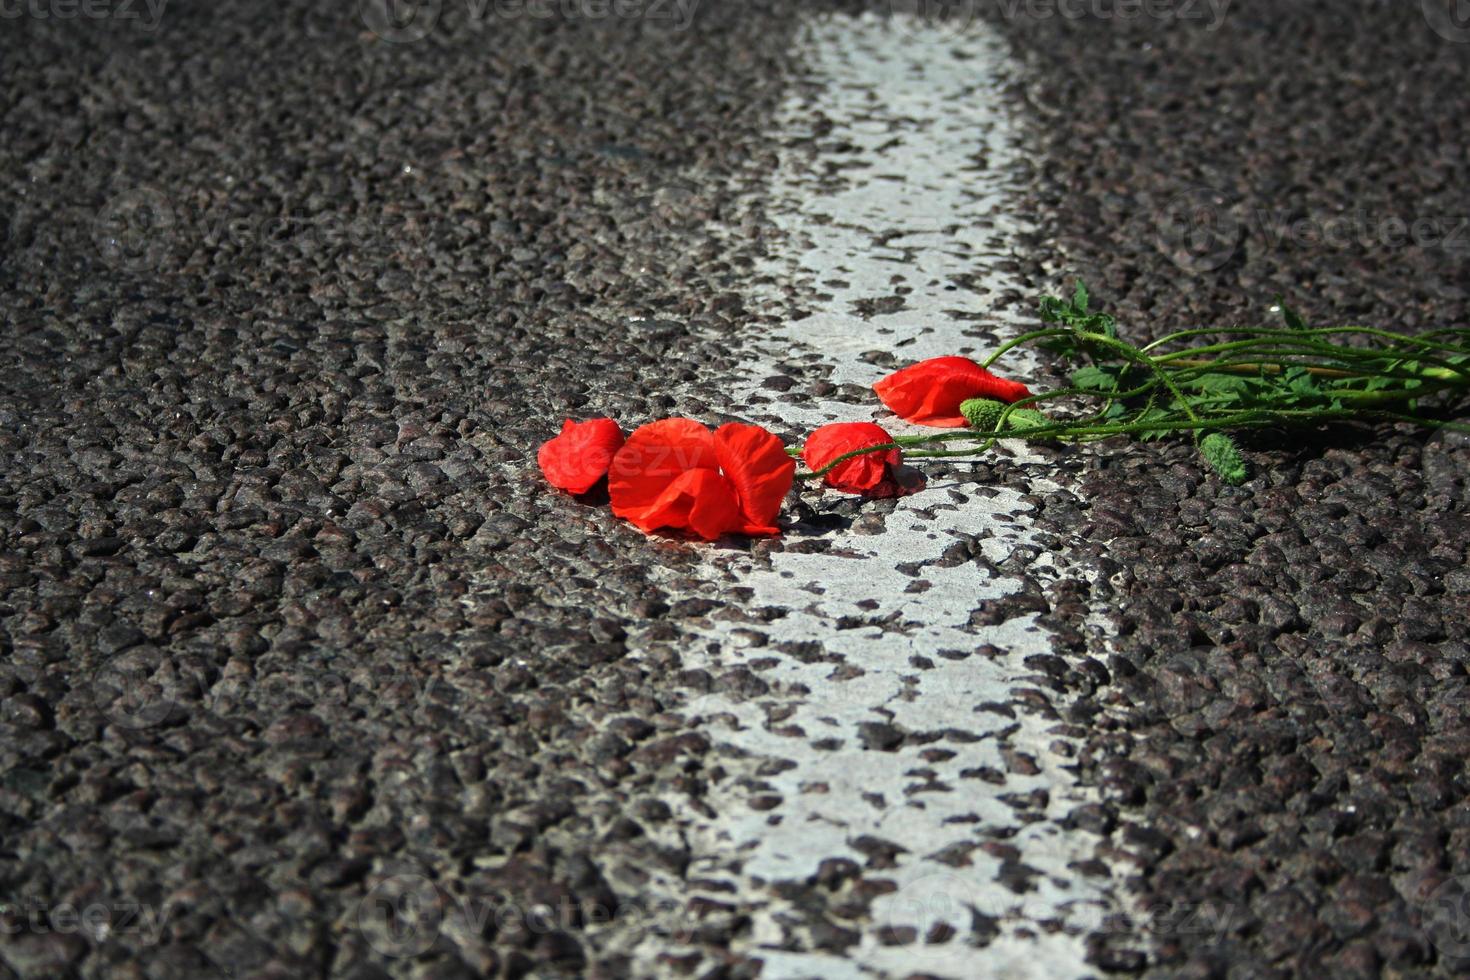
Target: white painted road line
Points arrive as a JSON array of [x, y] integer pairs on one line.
[[957, 825]]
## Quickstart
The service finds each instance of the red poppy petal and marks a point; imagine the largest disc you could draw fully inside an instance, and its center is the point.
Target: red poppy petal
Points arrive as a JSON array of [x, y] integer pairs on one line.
[[698, 500], [670, 508], [580, 455], [760, 530], [760, 470], [939, 403], [652, 459], [903, 392], [716, 508], [861, 473], [930, 392]]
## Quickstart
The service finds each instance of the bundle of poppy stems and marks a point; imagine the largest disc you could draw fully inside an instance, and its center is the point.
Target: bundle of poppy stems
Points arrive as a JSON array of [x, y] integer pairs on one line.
[[678, 475]]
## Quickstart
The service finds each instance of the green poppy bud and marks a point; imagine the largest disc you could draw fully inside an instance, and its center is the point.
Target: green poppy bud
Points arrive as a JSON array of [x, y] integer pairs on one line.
[[1026, 418], [982, 413], [1220, 451]]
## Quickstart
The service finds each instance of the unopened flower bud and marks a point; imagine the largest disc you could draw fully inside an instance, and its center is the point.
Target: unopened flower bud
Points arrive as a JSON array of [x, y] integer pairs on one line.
[[1026, 418], [982, 413], [1220, 452]]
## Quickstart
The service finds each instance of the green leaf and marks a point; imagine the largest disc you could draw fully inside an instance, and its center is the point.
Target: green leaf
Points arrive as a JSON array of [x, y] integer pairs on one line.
[[1095, 378], [1292, 318], [1065, 347], [1074, 314], [1300, 382], [1155, 414], [1221, 383]]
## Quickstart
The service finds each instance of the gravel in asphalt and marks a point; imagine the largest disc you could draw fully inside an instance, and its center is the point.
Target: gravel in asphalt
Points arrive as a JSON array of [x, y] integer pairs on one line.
[[302, 664], [1286, 725], [290, 622]]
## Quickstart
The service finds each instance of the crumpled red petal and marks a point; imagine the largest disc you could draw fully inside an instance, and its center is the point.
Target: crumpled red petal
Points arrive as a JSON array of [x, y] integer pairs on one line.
[[580, 455], [930, 392], [861, 474], [675, 473], [652, 458], [757, 465], [701, 501]]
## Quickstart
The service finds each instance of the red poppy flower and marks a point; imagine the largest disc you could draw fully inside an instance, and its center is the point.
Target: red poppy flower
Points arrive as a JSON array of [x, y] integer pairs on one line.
[[577, 458], [675, 473], [930, 392], [872, 473]]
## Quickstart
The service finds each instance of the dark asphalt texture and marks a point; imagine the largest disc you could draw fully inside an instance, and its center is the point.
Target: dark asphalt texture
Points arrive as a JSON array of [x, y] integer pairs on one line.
[[286, 309], [261, 455], [1286, 724]]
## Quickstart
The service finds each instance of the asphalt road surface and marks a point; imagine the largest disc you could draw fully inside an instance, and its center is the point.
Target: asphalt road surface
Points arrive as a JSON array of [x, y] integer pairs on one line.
[[307, 673]]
